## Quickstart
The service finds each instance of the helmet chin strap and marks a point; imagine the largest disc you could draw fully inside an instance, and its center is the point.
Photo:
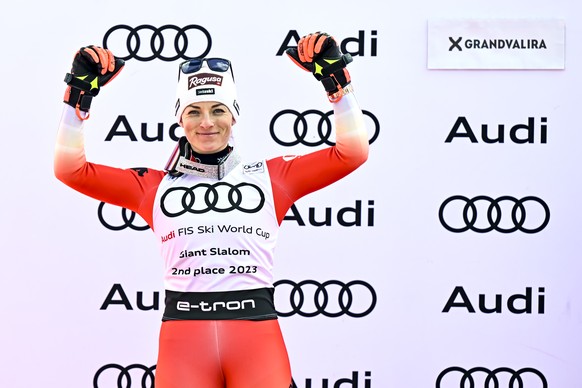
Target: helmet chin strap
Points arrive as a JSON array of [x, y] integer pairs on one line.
[[180, 163]]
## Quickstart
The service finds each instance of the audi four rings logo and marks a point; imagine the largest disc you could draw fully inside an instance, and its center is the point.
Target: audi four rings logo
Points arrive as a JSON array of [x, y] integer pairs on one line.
[[135, 375], [205, 197], [509, 220], [319, 295], [498, 378], [127, 220], [324, 128], [167, 43]]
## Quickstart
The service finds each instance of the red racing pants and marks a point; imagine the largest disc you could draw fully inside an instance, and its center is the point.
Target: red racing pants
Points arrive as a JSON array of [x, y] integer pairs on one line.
[[222, 354]]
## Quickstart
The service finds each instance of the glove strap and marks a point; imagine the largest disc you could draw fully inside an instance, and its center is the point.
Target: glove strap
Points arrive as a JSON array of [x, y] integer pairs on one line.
[[80, 96], [78, 83], [330, 84], [337, 65], [333, 79], [83, 105]]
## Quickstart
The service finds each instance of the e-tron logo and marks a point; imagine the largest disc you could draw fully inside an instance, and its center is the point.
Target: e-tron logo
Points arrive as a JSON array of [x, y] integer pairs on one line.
[[132, 376], [355, 299], [300, 128], [167, 43], [220, 197], [479, 377], [494, 216], [127, 220]]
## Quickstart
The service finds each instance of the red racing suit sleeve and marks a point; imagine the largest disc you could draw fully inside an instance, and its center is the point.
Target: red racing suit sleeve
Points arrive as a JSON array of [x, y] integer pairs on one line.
[[292, 177], [133, 189]]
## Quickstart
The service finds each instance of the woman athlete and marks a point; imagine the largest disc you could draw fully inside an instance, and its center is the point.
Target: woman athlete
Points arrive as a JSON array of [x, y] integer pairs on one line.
[[216, 218]]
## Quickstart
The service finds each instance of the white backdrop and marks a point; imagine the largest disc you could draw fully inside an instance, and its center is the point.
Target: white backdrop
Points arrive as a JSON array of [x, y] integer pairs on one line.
[[60, 262]]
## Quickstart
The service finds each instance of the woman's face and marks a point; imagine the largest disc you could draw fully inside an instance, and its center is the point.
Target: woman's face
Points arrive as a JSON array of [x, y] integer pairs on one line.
[[207, 126]]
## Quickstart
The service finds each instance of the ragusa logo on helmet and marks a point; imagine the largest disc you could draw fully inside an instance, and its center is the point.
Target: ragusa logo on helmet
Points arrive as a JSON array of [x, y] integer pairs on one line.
[[203, 79]]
